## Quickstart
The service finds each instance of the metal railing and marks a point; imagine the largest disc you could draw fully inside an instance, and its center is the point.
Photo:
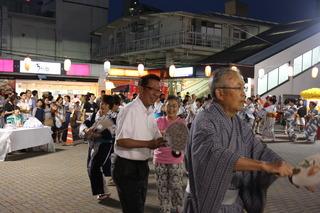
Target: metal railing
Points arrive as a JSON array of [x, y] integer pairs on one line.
[[164, 41]]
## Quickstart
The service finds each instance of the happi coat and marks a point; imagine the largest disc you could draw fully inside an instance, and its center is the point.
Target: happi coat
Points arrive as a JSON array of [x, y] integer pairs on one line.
[[215, 144]]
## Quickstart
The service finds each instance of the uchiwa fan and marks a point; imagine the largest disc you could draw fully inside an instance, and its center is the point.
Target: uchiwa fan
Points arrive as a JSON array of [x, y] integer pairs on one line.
[[176, 135], [308, 172]]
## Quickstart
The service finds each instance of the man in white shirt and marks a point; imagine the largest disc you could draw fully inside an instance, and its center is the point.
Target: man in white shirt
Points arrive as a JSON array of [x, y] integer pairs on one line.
[[136, 134]]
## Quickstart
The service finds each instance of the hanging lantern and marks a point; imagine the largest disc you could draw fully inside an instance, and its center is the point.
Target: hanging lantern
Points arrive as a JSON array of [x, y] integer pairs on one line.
[[140, 69], [314, 72], [27, 63], [207, 71], [290, 71], [67, 65], [234, 68], [107, 67], [172, 71], [261, 73]]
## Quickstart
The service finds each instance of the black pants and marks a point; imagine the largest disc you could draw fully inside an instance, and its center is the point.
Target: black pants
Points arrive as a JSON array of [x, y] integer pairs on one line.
[[94, 165], [131, 179]]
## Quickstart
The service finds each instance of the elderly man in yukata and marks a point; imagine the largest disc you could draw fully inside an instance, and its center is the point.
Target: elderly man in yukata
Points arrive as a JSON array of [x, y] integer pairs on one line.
[[229, 168]]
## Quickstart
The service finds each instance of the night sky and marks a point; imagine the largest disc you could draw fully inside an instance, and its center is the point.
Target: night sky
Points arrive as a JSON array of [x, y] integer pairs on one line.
[[281, 11]]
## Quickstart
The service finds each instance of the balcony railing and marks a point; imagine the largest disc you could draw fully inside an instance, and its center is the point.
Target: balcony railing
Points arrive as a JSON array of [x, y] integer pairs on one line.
[[165, 41]]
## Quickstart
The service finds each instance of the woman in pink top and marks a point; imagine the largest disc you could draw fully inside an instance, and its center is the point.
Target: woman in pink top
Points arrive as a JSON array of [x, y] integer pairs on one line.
[[169, 169]]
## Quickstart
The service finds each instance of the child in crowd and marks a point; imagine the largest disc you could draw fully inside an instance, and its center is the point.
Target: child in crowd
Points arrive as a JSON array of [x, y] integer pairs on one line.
[[38, 111], [16, 118]]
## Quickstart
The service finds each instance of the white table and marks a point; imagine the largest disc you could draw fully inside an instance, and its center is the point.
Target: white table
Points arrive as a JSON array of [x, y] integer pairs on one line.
[[23, 138]]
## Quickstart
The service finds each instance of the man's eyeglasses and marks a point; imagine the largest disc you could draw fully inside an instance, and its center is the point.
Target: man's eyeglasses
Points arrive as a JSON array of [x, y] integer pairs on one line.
[[153, 89], [235, 88]]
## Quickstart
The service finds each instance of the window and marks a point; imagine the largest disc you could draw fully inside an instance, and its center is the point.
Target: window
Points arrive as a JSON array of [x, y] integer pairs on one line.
[[262, 84], [306, 60], [297, 65], [273, 78], [283, 73], [315, 55]]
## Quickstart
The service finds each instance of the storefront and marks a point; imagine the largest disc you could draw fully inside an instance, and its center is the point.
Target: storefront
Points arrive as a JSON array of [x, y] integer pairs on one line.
[[48, 77]]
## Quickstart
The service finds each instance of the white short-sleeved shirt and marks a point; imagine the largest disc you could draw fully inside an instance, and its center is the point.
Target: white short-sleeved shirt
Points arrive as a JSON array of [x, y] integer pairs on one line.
[[136, 122]]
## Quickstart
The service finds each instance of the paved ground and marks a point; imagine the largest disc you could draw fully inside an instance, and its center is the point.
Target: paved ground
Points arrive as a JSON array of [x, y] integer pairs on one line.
[[58, 182]]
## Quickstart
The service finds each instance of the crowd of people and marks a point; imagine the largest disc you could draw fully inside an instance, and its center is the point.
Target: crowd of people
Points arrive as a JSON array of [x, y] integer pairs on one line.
[[228, 168], [262, 114]]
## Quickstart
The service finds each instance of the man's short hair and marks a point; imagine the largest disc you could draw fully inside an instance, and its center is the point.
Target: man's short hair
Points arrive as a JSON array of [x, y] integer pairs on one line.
[[144, 80], [217, 79]]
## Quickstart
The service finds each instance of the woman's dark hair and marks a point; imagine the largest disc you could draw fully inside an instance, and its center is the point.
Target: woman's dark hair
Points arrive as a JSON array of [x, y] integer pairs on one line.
[[68, 97], [43, 105], [16, 108], [59, 97], [117, 99], [108, 99], [173, 97], [144, 80]]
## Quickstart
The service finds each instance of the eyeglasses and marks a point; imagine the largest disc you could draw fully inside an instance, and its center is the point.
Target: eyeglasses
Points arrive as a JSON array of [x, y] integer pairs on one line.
[[153, 89], [235, 88]]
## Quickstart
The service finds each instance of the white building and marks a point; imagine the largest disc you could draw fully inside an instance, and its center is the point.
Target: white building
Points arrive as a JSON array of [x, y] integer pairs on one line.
[[275, 55]]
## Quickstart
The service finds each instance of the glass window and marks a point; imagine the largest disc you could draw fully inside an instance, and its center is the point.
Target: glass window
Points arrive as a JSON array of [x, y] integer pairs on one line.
[[315, 55], [306, 59], [283, 73], [297, 65], [273, 78], [262, 84]]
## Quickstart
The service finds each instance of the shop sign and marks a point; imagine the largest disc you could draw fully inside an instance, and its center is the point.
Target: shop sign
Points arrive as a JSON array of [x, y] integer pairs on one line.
[[183, 72], [126, 72], [41, 67], [6, 65], [79, 70]]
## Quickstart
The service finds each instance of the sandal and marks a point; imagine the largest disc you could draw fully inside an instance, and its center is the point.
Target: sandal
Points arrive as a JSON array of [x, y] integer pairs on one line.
[[103, 196]]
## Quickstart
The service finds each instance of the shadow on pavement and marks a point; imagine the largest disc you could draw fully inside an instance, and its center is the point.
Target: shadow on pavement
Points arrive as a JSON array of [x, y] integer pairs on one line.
[[110, 202], [21, 155], [149, 208]]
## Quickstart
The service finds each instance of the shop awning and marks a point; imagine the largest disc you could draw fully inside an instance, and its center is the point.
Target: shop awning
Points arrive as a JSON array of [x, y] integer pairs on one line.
[[122, 88]]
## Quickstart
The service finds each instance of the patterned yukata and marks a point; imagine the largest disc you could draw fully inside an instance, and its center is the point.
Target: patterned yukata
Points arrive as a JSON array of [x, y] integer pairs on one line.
[[216, 142], [312, 125], [289, 116]]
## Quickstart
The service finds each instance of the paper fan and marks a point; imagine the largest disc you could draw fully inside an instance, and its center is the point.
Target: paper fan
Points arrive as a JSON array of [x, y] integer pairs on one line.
[[308, 172], [177, 135]]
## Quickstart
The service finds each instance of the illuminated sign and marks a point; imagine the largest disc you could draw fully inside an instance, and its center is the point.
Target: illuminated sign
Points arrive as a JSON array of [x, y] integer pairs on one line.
[[79, 70], [41, 68], [183, 72], [126, 72], [6, 65]]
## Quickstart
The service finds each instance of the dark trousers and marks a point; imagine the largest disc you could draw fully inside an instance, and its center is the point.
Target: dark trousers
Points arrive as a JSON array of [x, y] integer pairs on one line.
[[96, 159], [131, 179]]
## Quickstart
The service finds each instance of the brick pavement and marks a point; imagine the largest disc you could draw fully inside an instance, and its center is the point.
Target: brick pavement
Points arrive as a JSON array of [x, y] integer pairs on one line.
[[58, 182]]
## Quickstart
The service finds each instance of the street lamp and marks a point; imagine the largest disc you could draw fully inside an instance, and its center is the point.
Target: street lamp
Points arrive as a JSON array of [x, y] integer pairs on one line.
[[172, 70], [314, 72], [261, 73], [140, 69], [67, 65], [107, 67], [27, 63], [207, 71]]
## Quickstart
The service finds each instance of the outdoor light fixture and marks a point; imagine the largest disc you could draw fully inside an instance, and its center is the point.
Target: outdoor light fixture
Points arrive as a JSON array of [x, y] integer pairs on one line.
[[67, 65], [140, 69], [261, 73], [27, 63], [314, 72], [290, 71], [172, 71], [234, 68], [107, 67], [207, 71]]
